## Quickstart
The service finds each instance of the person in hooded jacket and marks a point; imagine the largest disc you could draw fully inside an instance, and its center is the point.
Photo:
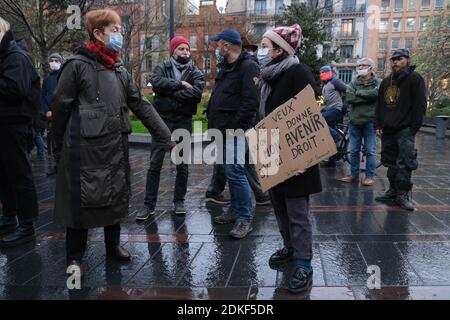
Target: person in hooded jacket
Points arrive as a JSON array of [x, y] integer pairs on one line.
[[281, 79], [91, 127], [18, 80]]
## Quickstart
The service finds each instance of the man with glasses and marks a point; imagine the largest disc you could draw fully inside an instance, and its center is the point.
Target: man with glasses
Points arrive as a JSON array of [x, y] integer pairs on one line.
[[401, 106], [362, 94]]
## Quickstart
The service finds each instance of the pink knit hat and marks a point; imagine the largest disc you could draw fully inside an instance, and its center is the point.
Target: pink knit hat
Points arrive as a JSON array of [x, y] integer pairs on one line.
[[287, 38]]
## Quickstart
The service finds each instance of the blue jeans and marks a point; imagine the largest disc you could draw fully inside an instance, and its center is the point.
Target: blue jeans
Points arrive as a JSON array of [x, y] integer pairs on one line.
[[39, 141], [241, 199], [356, 134], [332, 117]]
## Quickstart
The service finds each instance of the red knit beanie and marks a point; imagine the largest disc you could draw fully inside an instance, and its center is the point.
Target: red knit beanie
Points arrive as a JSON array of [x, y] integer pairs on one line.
[[175, 42]]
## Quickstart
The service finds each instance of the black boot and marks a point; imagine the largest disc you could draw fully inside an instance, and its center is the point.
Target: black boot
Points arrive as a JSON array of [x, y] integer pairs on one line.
[[390, 194], [7, 224], [404, 201], [23, 234]]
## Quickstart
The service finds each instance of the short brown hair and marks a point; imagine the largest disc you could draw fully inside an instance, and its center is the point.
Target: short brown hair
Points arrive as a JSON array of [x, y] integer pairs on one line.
[[99, 19]]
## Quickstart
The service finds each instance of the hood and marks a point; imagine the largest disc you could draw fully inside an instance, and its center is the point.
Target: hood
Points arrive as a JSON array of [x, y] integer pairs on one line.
[[4, 44]]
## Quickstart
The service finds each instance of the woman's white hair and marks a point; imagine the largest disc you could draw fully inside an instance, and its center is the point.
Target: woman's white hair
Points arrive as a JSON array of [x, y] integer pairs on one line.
[[4, 27]]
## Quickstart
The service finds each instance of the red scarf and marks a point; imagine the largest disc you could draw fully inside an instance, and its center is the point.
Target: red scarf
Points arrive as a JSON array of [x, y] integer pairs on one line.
[[106, 55]]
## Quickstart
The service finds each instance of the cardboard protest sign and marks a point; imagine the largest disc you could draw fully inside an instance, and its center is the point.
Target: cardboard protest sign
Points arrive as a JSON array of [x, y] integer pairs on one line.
[[293, 137]]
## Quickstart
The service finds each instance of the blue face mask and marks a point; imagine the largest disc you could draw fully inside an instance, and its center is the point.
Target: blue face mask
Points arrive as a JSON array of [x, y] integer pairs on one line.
[[115, 41], [219, 56], [263, 56]]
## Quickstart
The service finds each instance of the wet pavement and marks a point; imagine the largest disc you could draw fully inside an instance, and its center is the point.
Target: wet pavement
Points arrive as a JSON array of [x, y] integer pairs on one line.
[[191, 258]]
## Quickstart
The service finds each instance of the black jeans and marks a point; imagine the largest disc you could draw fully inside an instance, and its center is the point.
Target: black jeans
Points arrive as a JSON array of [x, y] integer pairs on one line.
[[17, 189], [399, 155], [76, 240], [158, 152]]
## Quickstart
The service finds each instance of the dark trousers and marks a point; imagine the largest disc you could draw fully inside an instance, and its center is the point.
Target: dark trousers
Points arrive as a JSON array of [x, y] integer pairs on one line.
[[293, 217], [158, 152], [76, 240], [17, 189], [399, 155]]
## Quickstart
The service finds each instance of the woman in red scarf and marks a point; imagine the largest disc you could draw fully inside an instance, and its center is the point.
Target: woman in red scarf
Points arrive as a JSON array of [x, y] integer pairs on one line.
[[91, 127]]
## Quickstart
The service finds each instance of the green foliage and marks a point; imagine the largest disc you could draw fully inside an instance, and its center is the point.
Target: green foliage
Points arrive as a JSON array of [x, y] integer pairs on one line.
[[440, 108], [314, 33]]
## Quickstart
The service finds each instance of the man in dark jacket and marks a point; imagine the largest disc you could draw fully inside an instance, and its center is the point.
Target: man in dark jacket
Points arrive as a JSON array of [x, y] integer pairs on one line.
[[49, 84], [233, 105], [17, 190], [399, 114], [178, 85]]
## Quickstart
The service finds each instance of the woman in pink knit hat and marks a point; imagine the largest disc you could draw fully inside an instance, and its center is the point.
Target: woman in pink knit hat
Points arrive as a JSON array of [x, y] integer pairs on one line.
[[283, 77]]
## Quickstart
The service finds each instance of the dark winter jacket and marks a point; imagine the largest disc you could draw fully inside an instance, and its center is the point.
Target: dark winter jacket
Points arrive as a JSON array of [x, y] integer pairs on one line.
[[362, 95], [402, 102], [91, 127], [284, 87], [235, 99], [172, 101], [48, 89], [332, 93], [18, 83]]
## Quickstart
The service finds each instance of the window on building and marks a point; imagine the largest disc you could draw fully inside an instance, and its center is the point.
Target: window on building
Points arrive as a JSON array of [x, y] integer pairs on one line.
[[328, 24], [260, 7], [382, 43], [385, 5], [412, 5], [397, 25], [398, 5], [395, 43], [193, 40], [409, 43], [346, 51], [425, 4], [439, 4], [279, 7], [346, 75], [381, 63], [347, 27], [349, 6], [423, 23], [410, 24], [207, 64], [384, 25], [260, 29], [163, 8], [155, 44], [149, 62], [328, 6], [326, 50], [206, 38]]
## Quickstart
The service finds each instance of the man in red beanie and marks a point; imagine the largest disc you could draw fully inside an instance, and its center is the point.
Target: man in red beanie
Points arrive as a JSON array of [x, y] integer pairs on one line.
[[178, 86]]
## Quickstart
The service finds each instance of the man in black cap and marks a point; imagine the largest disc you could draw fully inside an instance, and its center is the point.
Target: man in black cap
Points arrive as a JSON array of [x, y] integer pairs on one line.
[[399, 114], [233, 105]]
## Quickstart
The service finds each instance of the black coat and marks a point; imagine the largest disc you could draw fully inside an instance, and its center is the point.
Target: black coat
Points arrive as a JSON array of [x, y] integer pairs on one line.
[[284, 87], [408, 105], [172, 101], [91, 127], [235, 98], [48, 89], [19, 84]]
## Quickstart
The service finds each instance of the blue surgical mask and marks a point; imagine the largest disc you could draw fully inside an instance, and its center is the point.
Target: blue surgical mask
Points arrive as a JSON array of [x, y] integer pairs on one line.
[[115, 41], [219, 56], [263, 56]]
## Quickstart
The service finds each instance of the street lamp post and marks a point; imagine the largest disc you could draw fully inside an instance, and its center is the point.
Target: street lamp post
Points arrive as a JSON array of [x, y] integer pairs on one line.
[[171, 20]]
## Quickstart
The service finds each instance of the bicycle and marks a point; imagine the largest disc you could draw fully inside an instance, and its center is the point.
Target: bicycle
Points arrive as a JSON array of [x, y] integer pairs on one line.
[[342, 146]]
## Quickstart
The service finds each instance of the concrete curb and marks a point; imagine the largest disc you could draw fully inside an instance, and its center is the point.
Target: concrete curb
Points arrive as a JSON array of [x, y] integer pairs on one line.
[[432, 130]]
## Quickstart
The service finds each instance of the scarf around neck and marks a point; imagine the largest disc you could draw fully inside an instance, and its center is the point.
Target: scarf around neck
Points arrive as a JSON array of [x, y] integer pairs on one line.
[[178, 68], [107, 56], [268, 75]]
